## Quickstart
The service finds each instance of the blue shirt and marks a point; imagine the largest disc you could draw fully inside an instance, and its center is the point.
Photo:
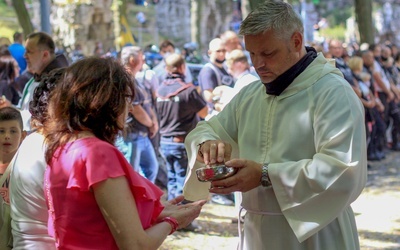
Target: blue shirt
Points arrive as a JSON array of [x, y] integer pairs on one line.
[[17, 51]]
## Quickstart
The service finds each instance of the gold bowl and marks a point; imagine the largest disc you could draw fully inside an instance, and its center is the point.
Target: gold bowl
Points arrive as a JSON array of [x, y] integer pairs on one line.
[[213, 173]]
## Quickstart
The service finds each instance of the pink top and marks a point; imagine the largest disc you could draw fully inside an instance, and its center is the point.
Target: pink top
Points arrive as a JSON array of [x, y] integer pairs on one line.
[[75, 219]]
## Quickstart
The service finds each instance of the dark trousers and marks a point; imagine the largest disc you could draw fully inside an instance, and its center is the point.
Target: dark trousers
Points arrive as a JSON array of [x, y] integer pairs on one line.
[[392, 111]]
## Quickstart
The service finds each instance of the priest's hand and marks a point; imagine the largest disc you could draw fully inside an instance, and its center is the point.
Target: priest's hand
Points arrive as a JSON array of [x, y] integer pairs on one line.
[[214, 151], [247, 177]]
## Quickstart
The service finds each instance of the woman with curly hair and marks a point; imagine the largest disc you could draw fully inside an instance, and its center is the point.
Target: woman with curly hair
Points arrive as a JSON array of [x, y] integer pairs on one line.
[[96, 200]]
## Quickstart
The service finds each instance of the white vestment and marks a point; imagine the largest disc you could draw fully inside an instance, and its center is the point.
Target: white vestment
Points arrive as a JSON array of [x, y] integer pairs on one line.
[[313, 137]]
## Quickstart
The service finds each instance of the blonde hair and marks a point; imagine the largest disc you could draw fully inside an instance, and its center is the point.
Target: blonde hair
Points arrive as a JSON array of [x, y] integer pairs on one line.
[[355, 63], [236, 55], [173, 62]]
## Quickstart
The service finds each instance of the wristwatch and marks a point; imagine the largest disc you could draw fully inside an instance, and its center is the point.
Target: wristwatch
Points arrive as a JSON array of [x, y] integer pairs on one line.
[[265, 180]]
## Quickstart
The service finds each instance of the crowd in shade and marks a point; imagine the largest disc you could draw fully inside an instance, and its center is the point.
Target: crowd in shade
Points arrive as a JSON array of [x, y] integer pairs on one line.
[[100, 151]]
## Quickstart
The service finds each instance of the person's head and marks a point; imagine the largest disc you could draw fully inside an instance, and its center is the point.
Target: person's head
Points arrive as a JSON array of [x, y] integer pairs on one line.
[[41, 95], [237, 62], [93, 96], [368, 58], [4, 50], [336, 48], [132, 58], [166, 48], [376, 50], [217, 51], [175, 63], [11, 130], [273, 35], [9, 69], [98, 49], [386, 53], [397, 58], [18, 37], [394, 49], [355, 63], [231, 40], [40, 51]]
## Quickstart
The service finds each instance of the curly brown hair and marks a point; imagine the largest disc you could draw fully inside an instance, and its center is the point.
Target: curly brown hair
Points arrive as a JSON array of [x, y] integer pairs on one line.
[[91, 97], [41, 95]]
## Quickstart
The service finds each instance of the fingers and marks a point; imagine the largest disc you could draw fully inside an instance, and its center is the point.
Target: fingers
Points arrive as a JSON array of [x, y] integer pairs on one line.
[[223, 189], [212, 152], [176, 200], [228, 151], [237, 163]]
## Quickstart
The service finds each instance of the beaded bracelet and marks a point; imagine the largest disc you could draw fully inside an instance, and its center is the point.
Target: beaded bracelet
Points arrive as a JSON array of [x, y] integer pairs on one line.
[[173, 222]]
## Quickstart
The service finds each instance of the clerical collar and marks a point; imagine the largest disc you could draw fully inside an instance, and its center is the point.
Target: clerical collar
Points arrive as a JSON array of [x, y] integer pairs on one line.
[[277, 86]]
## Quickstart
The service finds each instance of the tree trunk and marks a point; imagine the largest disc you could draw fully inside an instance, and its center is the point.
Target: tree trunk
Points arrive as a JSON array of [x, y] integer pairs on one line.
[[249, 5], [23, 16], [174, 21], [213, 19], [363, 9], [87, 23]]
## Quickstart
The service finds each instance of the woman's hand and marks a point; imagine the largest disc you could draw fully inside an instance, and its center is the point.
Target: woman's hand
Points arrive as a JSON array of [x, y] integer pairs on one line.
[[184, 214]]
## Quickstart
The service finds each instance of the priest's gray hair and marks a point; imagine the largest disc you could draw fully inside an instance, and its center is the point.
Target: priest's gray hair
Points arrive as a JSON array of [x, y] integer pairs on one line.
[[273, 15]]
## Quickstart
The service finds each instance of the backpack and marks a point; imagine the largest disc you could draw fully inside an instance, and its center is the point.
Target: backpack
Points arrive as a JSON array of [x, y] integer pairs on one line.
[[221, 78]]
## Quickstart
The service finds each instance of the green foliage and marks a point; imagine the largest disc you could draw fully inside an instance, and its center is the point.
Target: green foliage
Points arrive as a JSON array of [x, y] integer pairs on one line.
[[8, 21], [337, 32]]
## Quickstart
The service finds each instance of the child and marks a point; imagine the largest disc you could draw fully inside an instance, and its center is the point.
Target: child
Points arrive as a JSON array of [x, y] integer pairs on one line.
[[11, 136]]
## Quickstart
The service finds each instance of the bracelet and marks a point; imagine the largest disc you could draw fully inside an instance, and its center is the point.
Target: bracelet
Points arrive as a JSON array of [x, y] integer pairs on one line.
[[173, 222]]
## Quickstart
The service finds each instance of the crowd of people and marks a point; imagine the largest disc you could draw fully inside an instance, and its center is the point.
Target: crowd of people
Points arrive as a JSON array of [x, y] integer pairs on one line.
[[108, 135], [373, 71]]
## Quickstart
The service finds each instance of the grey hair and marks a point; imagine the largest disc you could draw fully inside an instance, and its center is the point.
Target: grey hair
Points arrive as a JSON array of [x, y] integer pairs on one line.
[[273, 15], [128, 52]]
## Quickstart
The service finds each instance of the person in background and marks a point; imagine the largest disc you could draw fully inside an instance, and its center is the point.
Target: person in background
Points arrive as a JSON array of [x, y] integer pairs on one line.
[[386, 93], [11, 136], [142, 124], [41, 58], [29, 214], [17, 51], [231, 41], [95, 198], [239, 68], [291, 136], [377, 144], [362, 89], [9, 71], [180, 106], [214, 73], [338, 53], [167, 48]]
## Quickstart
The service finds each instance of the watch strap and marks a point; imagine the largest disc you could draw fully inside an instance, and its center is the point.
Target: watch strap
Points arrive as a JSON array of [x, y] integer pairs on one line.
[[265, 180]]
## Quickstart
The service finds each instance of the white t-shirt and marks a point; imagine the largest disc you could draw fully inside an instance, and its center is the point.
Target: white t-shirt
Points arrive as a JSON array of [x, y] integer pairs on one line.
[[28, 205], [378, 67]]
